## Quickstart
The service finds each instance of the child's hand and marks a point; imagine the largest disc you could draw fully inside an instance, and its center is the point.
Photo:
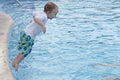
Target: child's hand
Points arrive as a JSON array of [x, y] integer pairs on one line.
[[43, 29]]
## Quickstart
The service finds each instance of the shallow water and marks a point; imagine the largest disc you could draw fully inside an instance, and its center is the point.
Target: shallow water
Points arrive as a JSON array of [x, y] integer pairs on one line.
[[85, 34]]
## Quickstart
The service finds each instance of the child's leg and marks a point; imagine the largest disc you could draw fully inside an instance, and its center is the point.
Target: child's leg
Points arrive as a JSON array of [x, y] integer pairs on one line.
[[17, 60], [25, 47]]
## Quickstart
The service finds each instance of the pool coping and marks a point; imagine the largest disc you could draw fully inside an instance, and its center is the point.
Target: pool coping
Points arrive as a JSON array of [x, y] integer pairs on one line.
[[5, 24]]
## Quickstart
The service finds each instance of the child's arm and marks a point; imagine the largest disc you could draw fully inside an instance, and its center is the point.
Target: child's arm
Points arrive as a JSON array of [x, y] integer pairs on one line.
[[40, 23]]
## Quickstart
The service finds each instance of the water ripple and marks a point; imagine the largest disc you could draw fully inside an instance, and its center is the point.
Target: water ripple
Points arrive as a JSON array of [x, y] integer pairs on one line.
[[85, 33]]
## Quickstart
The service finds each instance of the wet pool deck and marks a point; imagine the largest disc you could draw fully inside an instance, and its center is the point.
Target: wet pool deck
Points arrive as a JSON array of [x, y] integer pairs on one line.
[[5, 24]]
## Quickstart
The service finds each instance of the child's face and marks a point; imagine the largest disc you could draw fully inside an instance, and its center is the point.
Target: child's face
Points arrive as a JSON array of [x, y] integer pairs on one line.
[[52, 14]]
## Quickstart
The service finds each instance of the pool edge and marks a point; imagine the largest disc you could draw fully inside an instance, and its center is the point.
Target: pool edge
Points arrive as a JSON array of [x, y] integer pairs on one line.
[[5, 24]]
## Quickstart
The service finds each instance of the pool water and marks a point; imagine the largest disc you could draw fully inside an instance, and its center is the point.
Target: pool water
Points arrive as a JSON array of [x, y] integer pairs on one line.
[[85, 34]]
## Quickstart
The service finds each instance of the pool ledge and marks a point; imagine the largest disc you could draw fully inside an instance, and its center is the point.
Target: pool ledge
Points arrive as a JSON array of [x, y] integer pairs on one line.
[[5, 24]]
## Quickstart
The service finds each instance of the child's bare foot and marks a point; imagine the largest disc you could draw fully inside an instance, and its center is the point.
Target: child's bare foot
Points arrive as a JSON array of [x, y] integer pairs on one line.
[[17, 60], [15, 65]]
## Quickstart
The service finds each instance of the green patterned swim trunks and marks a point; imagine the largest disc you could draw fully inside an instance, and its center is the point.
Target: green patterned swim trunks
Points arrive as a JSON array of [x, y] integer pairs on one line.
[[25, 44]]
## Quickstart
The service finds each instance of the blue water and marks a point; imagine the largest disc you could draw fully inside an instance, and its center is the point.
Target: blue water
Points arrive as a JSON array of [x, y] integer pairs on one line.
[[85, 33]]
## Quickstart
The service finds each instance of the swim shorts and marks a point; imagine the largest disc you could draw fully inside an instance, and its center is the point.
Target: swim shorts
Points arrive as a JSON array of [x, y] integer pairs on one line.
[[25, 44]]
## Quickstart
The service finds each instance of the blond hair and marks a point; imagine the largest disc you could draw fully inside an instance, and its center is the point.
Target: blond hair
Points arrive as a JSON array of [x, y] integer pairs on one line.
[[50, 6]]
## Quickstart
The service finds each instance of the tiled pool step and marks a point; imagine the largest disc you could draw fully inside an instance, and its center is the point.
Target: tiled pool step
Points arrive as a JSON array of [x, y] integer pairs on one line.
[[110, 78]]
